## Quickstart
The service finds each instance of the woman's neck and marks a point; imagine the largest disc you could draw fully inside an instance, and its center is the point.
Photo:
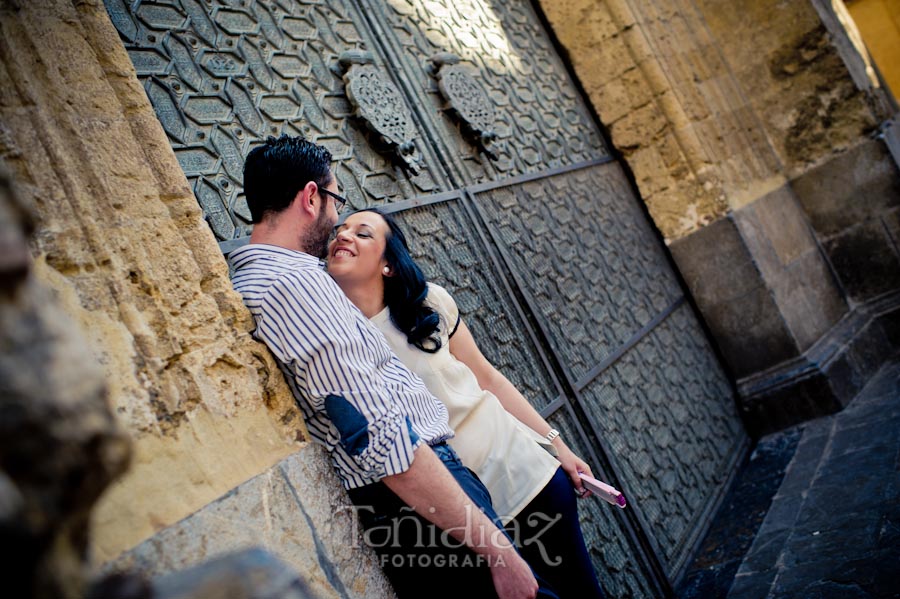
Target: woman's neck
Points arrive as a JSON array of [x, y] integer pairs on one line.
[[368, 297]]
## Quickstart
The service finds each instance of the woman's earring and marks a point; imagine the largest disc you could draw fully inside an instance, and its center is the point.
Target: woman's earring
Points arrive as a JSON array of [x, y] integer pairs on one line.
[[387, 270]]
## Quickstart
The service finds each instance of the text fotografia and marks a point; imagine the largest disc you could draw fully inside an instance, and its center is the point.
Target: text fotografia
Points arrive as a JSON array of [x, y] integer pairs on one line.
[[387, 533], [452, 560]]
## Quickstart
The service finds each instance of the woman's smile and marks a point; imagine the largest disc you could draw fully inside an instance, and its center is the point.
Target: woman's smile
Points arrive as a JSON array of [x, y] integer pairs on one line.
[[356, 254]]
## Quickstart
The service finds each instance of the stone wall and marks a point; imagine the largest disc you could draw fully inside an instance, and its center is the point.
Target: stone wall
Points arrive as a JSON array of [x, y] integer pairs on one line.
[[753, 132], [122, 243], [713, 104]]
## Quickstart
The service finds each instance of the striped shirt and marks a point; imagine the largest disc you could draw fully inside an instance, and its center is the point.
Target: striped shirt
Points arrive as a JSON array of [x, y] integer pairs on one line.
[[338, 365]]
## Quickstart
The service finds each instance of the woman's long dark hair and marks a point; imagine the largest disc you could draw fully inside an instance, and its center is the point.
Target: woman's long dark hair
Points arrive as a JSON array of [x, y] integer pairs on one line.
[[406, 290]]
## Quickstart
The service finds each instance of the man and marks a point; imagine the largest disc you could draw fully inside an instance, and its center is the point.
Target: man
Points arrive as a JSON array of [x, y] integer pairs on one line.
[[384, 432]]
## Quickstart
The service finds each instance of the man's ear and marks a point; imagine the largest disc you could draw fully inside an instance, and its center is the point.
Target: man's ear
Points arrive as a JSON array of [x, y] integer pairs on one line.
[[306, 199]]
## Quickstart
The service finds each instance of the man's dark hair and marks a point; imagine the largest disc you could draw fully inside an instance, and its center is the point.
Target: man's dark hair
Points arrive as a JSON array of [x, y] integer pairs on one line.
[[275, 171]]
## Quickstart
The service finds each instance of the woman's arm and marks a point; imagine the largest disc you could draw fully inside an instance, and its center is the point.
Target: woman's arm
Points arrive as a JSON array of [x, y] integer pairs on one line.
[[464, 348]]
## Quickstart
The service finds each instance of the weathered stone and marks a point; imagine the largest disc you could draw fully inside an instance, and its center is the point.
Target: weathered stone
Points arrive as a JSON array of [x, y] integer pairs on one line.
[[739, 307], [59, 443], [296, 510], [249, 574], [122, 244], [16, 225], [822, 536], [708, 123], [865, 260], [785, 251], [851, 188]]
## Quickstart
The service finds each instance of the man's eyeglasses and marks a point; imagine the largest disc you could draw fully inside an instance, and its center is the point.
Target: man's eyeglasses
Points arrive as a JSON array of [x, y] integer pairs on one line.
[[339, 201]]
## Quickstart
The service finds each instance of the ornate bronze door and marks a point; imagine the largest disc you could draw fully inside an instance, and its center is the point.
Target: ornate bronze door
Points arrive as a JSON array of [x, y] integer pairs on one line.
[[460, 116]]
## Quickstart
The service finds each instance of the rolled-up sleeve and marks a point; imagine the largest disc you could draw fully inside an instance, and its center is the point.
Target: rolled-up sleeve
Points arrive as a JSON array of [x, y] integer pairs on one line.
[[315, 333]]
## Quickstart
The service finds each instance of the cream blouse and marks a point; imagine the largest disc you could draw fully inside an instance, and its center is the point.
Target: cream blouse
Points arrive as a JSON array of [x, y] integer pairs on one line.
[[502, 451]]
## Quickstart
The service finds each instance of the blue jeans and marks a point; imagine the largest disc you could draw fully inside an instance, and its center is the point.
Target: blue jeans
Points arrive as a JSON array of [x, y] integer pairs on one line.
[[549, 537], [418, 558]]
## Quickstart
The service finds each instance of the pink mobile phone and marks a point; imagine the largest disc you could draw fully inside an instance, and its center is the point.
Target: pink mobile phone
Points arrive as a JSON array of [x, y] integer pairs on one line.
[[603, 490]]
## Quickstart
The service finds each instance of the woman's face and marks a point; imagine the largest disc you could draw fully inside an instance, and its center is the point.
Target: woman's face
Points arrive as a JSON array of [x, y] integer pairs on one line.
[[357, 251]]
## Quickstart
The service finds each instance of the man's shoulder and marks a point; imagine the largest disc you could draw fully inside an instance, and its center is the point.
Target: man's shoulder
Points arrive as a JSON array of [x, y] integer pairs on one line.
[[268, 264]]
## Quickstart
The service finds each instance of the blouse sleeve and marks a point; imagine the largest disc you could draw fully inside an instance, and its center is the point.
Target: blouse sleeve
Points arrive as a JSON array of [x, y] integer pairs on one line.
[[446, 307]]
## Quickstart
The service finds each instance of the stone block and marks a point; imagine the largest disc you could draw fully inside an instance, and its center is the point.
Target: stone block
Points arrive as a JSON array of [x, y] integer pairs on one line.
[[786, 396], [863, 410], [815, 546], [767, 548], [885, 383], [613, 100], [845, 380], [781, 516], [855, 453], [827, 376], [808, 298], [639, 127], [818, 427], [875, 572], [805, 462], [751, 332], [248, 574], [858, 508], [784, 249], [734, 300], [852, 187], [775, 228], [716, 263], [711, 582], [296, 510], [865, 261], [869, 352], [650, 170], [751, 585], [815, 580]]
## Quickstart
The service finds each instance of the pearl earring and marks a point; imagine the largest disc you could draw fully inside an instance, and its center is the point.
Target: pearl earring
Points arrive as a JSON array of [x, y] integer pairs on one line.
[[387, 269]]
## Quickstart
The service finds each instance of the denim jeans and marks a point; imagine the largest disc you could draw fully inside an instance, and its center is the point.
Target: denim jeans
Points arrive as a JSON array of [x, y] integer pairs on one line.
[[418, 558], [549, 537]]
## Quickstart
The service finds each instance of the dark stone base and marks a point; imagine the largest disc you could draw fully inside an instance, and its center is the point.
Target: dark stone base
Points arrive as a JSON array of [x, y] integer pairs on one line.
[[828, 375], [739, 518]]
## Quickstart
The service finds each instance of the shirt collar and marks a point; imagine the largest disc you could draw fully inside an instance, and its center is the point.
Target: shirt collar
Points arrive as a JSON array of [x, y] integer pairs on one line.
[[261, 251]]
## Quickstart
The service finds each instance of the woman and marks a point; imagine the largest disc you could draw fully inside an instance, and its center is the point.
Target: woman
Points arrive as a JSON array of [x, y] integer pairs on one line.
[[499, 434]]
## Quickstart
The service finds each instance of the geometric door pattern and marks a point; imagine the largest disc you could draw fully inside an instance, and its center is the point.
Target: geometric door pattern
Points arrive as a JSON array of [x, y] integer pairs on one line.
[[540, 238]]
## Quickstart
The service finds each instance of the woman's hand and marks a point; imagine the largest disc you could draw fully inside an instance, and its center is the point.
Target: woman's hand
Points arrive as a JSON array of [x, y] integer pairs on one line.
[[572, 465]]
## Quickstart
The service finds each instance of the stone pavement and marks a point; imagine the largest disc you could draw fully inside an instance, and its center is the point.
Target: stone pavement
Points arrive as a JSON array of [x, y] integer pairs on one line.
[[816, 511]]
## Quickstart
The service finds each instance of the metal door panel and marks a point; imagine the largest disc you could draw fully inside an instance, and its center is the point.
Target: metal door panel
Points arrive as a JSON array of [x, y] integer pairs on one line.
[[666, 413], [541, 119], [592, 273], [578, 244], [614, 548], [221, 78]]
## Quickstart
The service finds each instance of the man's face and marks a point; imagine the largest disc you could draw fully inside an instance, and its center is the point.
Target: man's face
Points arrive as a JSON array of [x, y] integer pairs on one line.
[[316, 239]]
